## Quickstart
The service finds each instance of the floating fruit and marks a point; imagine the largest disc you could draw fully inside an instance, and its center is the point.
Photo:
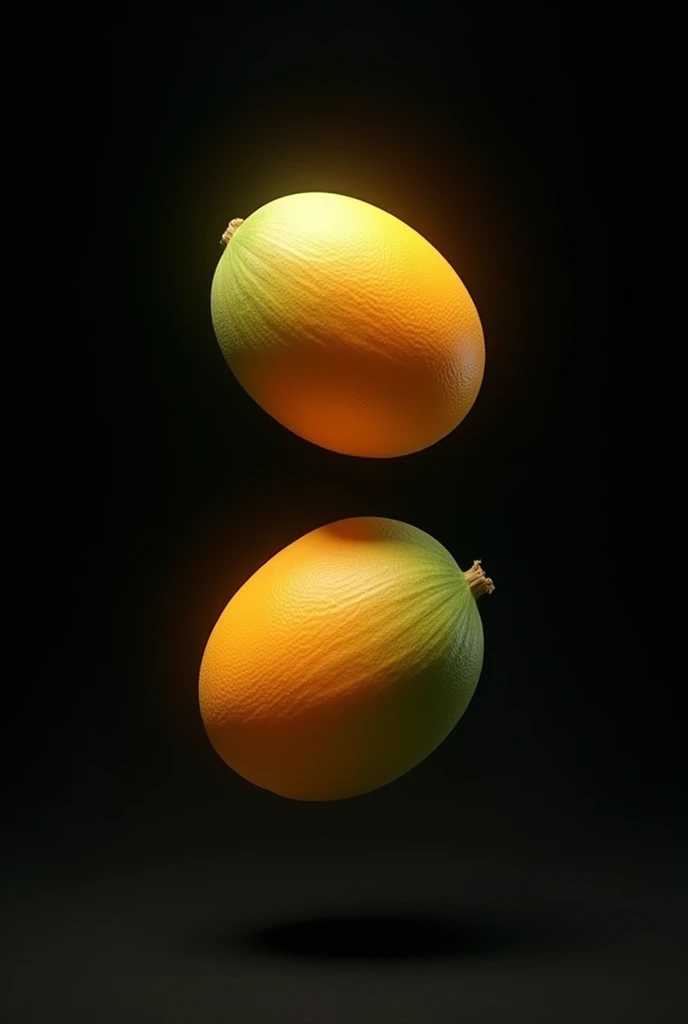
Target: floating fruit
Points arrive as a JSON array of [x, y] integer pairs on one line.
[[344, 660], [346, 325]]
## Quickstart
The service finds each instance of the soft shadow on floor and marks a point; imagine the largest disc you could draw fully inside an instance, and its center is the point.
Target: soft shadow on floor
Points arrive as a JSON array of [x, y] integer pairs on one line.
[[396, 936]]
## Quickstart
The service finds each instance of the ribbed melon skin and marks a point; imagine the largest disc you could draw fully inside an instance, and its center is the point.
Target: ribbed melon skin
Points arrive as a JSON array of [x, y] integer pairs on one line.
[[347, 326], [342, 662]]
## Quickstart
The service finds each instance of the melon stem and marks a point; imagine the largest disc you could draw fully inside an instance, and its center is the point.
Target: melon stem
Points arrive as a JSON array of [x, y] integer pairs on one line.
[[230, 229], [478, 582]]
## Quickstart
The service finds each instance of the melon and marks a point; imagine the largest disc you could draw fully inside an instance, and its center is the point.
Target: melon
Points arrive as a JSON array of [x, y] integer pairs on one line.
[[344, 661], [346, 326]]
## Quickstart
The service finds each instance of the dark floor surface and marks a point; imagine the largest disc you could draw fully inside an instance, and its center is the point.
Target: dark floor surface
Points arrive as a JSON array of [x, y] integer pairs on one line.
[[323, 935]]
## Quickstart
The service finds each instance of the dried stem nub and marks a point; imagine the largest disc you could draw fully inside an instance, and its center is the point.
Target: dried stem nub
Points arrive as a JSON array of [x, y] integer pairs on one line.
[[477, 580], [230, 229]]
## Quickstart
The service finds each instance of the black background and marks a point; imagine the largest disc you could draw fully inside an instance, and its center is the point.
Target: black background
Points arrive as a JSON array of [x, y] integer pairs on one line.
[[145, 880]]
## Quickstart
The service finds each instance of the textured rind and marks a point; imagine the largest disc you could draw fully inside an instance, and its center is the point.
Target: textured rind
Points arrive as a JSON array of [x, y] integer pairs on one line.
[[342, 662], [347, 326]]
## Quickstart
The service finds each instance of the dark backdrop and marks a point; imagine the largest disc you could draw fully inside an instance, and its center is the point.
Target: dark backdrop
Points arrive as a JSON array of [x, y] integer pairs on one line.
[[531, 147]]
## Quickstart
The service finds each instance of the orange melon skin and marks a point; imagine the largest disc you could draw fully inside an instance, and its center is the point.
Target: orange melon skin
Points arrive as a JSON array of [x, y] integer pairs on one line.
[[343, 662], [347, 326]]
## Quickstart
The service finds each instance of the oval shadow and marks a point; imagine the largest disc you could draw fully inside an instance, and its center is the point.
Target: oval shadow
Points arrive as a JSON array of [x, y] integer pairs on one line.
[[396, 936]]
